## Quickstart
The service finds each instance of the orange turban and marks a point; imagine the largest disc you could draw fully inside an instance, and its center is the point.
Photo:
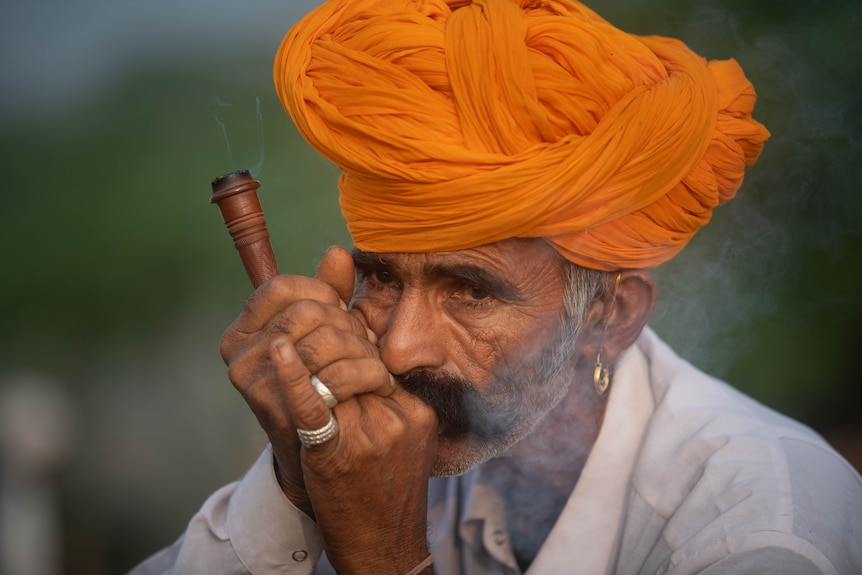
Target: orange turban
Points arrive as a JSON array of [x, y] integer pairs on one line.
[[458, 123]]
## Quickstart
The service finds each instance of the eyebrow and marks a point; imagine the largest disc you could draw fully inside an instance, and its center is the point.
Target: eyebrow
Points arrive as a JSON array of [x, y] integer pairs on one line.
[[466, 272], [364, 261], [477, 276]]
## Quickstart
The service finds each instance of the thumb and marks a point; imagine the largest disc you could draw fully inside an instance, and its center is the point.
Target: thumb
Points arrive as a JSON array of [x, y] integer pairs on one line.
[[336, 269]]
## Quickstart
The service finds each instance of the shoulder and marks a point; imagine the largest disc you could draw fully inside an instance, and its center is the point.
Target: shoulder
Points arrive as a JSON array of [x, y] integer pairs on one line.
[[720, 473]]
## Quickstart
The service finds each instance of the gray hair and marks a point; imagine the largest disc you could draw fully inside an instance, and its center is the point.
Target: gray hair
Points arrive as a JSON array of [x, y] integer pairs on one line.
[[581, 286]]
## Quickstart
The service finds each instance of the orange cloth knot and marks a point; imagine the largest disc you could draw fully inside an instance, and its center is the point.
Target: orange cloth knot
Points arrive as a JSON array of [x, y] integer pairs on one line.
[[461, 123]]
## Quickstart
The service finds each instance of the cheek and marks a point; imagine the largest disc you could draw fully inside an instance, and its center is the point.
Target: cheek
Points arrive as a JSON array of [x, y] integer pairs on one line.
[[487, 355], [519, 338], [476, 359]]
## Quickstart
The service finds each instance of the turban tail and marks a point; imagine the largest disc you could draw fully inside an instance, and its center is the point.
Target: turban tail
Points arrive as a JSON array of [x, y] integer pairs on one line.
[[459, 123]]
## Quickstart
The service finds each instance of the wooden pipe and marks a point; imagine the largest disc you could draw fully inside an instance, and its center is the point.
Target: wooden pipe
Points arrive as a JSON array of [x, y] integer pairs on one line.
[[235, 194]]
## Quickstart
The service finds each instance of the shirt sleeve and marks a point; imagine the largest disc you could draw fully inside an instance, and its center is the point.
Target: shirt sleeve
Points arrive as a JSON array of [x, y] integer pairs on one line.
[[770, 554], [247, 527]]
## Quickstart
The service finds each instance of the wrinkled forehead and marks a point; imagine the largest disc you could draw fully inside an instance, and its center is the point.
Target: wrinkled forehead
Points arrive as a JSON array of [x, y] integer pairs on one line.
[[504, 254]]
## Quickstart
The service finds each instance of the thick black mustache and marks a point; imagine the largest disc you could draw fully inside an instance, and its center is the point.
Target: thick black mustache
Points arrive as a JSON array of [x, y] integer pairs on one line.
[[460, 406]]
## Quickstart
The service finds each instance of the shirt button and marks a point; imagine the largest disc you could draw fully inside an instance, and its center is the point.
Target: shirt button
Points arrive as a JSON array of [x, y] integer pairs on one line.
[[499, 537], [300, 555]]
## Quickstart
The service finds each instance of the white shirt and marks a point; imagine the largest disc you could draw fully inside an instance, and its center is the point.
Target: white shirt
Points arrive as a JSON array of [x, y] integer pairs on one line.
[[687, 476]]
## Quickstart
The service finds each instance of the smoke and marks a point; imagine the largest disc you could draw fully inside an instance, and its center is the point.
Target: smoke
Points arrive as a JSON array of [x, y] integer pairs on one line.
[[246, 132], [754, 270]]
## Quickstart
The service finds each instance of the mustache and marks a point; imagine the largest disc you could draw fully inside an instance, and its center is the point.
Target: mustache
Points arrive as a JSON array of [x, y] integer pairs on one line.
[[461, 408]]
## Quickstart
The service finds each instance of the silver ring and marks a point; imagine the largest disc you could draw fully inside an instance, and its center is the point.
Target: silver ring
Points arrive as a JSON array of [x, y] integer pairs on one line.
[[318, 436], [324, 392]]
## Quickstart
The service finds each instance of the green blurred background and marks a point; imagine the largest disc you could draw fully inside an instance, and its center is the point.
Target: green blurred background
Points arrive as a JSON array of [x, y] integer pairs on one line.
[[118, 277]]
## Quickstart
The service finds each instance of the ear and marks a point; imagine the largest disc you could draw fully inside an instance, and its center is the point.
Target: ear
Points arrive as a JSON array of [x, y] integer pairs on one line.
[[613, 323]]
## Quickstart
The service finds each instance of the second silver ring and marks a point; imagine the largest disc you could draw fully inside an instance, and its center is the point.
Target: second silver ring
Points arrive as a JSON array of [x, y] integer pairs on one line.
[[324, 392]]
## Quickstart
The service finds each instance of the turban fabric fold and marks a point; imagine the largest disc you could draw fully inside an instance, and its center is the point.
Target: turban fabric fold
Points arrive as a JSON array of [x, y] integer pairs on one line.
[[459, 123]]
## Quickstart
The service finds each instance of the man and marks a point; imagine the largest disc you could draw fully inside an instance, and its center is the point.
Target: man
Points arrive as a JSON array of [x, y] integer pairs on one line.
[[510, 171]]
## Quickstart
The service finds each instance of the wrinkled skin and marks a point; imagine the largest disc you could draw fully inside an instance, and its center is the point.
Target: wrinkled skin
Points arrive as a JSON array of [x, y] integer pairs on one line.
[[470, 317], [479, 321]]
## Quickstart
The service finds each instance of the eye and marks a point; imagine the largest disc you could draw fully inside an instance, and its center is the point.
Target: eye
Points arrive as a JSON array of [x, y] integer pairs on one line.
[[382, 277], [472, 295], [477, 293], [379, 279]]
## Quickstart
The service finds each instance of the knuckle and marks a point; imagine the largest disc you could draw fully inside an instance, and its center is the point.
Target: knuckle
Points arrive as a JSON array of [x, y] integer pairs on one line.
[[372, 351], [391, 428], [237, 373], [308, 310], [308, 354], [337, 374], [249, 304], [377, 372], [280, 288], [341, 372], [357, 323], [266, 292], [256, 395], [245, 370], [260, 400], [230, 343], [281, 324], [297, 319], [224, 349], [331, 334]]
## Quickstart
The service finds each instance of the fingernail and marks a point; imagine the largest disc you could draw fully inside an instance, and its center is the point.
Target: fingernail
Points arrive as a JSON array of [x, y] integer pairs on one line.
[[285, 350], [372, 337]]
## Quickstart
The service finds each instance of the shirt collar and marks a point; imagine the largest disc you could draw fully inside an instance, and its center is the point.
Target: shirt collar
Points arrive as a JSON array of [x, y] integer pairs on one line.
[[589, 524], [588, 527]]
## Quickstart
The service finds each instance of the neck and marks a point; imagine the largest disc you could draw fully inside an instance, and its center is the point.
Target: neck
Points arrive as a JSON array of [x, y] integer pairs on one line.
[[538, 474]]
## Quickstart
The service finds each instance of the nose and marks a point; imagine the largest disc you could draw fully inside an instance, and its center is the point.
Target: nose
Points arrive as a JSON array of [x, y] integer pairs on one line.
[[413, 336]]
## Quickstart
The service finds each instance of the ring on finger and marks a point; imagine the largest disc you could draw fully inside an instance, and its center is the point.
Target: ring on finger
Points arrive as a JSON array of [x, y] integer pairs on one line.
[[324, 392], [315, 437]]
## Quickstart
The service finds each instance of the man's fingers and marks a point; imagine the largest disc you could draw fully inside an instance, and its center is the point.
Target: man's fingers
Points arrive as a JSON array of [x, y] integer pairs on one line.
[[328, 344], [276, 295], [306, 406], [306, 316], [372, 337], [295, 323], [349, 378], [336, 269]]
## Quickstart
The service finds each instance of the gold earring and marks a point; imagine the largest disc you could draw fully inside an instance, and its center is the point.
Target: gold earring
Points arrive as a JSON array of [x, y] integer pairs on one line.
[[602, 374]]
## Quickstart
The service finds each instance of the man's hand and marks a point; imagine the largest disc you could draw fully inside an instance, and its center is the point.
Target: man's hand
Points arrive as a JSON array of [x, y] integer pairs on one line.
[[367, 487]]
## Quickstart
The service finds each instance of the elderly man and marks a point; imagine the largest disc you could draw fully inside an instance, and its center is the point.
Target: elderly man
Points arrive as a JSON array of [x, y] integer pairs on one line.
[[511, 168]]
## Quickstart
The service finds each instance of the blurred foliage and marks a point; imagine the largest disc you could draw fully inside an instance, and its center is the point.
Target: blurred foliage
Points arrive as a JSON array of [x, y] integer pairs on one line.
[[119, 278], [777, 269]]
